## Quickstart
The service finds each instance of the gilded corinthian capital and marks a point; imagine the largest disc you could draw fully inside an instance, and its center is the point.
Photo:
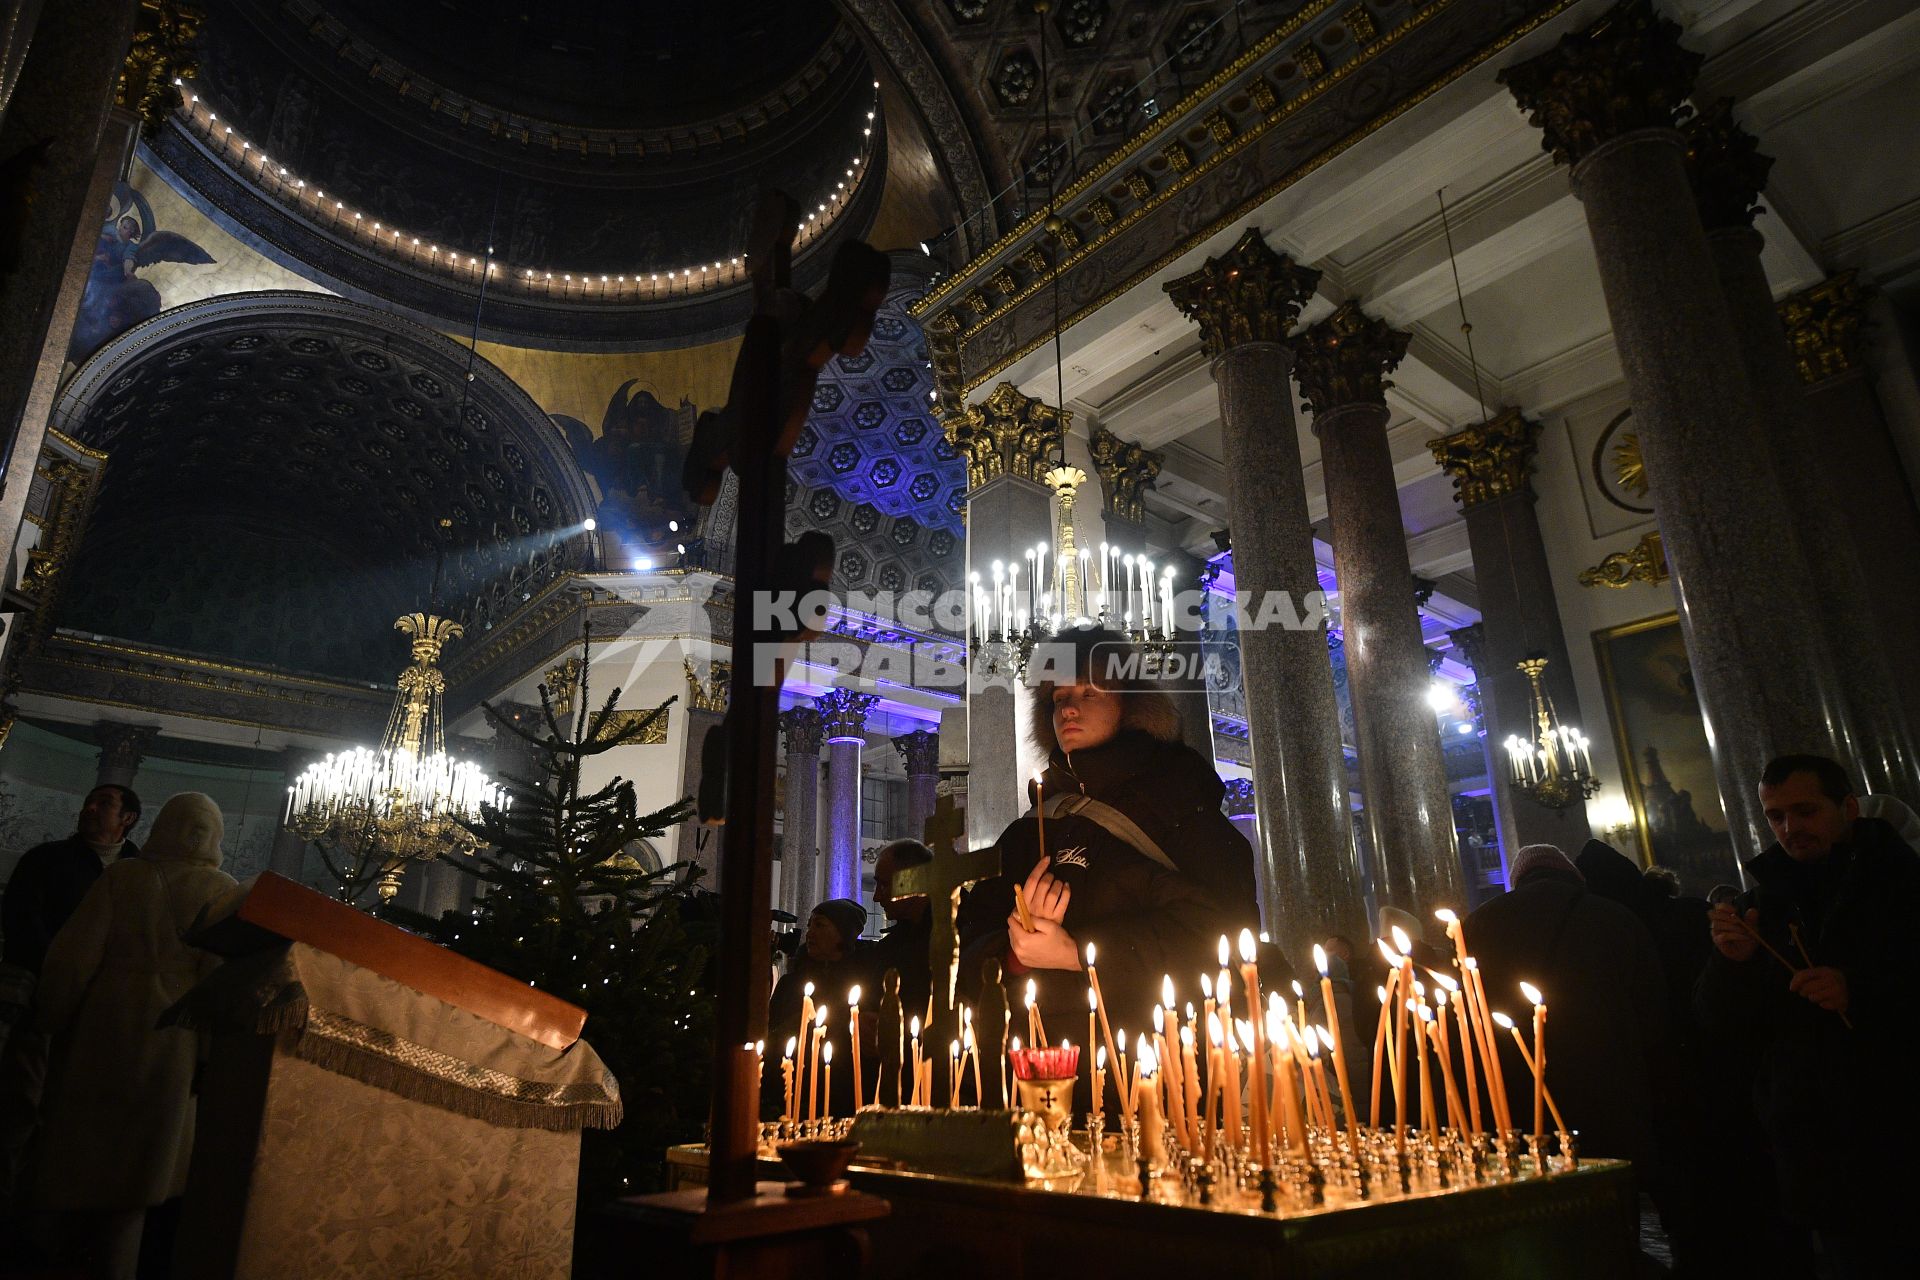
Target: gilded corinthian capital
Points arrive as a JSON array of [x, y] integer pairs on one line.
[[1725, 166], [1008, 434], [1247, 294], [1489, 460], [1345, 359], [1823, 326], [1625, 72], [162, 52], [1127, 471]]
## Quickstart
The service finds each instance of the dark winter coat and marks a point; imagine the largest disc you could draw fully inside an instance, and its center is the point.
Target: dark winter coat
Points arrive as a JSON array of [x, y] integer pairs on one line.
[[1145, 919], [831, 983], [1830, 1099], [1606, 1009], [1678, 926], [46, 887], [906, 946]]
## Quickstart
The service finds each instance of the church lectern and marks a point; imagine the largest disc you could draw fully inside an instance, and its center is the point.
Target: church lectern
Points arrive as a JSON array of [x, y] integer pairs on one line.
[[376, 1106]]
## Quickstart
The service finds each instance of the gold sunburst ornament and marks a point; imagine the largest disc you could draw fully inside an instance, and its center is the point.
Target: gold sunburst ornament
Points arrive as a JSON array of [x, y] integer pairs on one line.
[[1629, 466]]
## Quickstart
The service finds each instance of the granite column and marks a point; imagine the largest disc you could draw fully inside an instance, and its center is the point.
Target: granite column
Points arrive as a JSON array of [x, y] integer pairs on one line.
[[1608, 100], [1728, 175], [1490, 464], [843, 723], [800, 817], [1306, 866], [920, 752], [1341, 364]]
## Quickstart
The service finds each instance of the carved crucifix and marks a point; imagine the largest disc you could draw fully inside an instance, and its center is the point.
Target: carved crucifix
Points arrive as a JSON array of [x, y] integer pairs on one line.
[[941, 882]]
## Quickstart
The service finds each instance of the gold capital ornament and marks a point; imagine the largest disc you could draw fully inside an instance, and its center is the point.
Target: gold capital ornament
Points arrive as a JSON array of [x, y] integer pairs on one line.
[[1491, 459], [1824, 327], [1127, 471], [162, 52], [1345, 359], [1008, 434], [1248, 294]]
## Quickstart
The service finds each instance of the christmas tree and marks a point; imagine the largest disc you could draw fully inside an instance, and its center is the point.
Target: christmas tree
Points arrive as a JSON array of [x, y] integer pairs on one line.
[[568, 909]]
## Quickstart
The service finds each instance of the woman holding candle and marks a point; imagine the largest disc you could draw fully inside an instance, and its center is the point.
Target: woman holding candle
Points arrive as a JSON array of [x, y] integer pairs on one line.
[[1139, 859]]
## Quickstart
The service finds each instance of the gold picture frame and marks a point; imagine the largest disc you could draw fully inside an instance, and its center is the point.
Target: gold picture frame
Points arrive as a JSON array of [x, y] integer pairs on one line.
[[1666, 761]]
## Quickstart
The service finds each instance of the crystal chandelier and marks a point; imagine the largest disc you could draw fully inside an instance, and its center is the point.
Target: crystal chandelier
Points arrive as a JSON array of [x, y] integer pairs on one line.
[[407, 800], [1555, 768]]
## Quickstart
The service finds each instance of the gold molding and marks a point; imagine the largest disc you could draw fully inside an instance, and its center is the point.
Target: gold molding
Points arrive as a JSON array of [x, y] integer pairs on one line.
[[1824, 327], [1645, 561], [1008, 434], [1225, 155], [162, 54], [1490, 459], [66, 639], [651, 736], [711, 693]]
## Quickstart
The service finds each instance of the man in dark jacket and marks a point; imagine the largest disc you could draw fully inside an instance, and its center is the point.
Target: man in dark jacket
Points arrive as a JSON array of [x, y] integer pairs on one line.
[[1600, 974], [50, 879], [1822, 1023]]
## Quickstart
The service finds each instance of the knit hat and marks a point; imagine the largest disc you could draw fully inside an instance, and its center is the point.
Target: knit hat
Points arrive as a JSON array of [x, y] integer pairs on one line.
[[1540, 857], [846, 915]]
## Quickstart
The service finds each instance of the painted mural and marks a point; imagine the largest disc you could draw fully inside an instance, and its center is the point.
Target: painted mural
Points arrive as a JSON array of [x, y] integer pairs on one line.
[[634, 462], [117, 296]]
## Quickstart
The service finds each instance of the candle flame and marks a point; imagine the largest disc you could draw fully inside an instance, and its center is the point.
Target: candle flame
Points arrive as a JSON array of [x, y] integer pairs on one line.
[[1382, 993], [1100, 1058], [953, 1049], [1032, 993], [1015, 1046], [1273, 1001], [1247, 952], [760, 1047], [1186, 1037], [853, 997], [967, 1036], [1166, 990], [1245, 1029], [1276, 1027], [1532, 993], [826, 1052], [1223, 951], [793, 1042], [1324, 1036], [1419, 990], [1503, 1021], [1442, 980], [820, 1018], [807, 990], [966, 1016], [1233, 1042], [1121, 1038], [1159, 1021], [1469, 963], [1206, 986], [1440, 996], [1189, 1011], [1426, 1014], [1299, 990], [1320, 959], [1313, 1045], [1089, 955], [1445, 916], [1402, 941], [1392, 957], [1093, 1001], [1148, 1063], [913, 1027], [1213, 1029]]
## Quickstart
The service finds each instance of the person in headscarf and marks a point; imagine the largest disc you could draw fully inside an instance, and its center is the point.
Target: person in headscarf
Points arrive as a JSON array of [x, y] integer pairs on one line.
[[118, 1129]]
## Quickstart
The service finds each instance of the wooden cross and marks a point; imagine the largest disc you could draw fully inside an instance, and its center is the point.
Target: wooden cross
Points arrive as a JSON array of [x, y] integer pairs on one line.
[[941, 881]]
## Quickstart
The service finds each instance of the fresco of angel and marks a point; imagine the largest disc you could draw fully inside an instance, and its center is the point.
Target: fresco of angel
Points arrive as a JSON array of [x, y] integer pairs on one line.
[[117, 298]]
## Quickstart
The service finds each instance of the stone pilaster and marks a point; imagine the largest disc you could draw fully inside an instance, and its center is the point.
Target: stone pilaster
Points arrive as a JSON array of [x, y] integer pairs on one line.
[[122, 747], [1341, 364], [1490, 464], [68, 142], [1837, 533], [1608, 100], [843, 723], [1308, 871], [920, 752], [800, 817]]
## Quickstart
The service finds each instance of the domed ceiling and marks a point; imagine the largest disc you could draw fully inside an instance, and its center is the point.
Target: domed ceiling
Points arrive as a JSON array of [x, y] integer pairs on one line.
[[609, 152]]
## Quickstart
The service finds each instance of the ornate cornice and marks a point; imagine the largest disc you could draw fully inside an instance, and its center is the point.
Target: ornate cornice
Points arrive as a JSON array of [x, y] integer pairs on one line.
[[1626, 72], [843, 713], [920, 752], [1725, 166], [1824, 326], [162, 53], [1008, 434], [1344, 360], [801, 727], [1645, 561], [1247, 294], [1126, 471], [1470, 642], [1491, 459], [709, 693]]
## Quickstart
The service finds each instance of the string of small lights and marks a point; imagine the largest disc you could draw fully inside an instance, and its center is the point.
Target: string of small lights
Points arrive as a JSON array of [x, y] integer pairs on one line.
[[640, 285]]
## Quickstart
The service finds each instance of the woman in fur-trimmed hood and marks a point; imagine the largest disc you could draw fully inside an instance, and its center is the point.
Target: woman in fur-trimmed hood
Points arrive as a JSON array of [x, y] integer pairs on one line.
[[1152, 892]]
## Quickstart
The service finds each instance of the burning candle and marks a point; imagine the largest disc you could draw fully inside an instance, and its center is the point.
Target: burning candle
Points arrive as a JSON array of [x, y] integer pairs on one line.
[[1036, 1025], [813, 1079], [1506, 1023], [1093, 1008], [826, 1056], [1190, 1078], [1290, 1112], [913, 1034], [1417, 1014], [1489, 1050], [1335, 1046], [1532, 993], [953, 1076], [1099, 1089], [1300, 1007], [1040, 810], [1124, 1083], [1106, 1029], [853, 1030], [806, 1039], [1230, 1089], [972, 1043], [786, 1076], [1456, 1110], [1152, 1146]]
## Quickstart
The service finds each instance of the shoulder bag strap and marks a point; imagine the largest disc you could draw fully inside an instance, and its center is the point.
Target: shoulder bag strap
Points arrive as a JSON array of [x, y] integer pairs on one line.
[[1116, 824]]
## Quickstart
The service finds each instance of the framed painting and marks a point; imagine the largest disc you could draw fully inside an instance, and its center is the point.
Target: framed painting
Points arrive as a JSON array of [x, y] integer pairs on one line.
[[1661, 738]]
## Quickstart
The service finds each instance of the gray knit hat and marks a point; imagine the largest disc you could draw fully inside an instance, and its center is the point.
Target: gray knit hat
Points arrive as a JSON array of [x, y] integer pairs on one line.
[[846, 915]]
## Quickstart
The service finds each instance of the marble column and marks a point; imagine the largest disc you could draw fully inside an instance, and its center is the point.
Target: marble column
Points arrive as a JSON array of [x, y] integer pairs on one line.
[[1341, 364], [1307, 868], [843, 723], [1608, 99], [1728, 175], [69, 140], [122, 747], [1826, 329], [800, 817], [1490, 464], [920, 752]]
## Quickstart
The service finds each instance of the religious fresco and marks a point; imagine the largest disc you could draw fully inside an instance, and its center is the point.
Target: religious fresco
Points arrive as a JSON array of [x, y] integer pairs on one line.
[[1662, 742], [634, 462], [117, 296]]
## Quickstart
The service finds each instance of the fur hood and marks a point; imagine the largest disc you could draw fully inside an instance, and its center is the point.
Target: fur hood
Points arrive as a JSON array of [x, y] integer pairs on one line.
[[1148, 710]]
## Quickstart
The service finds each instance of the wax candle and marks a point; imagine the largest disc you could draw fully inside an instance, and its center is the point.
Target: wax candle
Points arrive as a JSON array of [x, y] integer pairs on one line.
[[1416, 1017], [1290, 1111], [806, 1040], [853, 1031], [1033, 1014], [1127, 1100], [1230, 1089], [1335, 1046], [813, 1079], [1106, 1029], [826, 1056], [1379, 1049], [1215, 1070], [1456, 1110], [1040, 809], [913, 1034], [1152, 1145], [1093, 1009], [786, 1076], [1532, 993], [973, 1048], [1506, 1024], [1299, 1007], [1099, 1089], [1490, 1050], [1190, 1078], [953, 1076]]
